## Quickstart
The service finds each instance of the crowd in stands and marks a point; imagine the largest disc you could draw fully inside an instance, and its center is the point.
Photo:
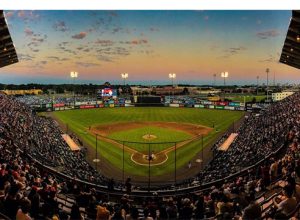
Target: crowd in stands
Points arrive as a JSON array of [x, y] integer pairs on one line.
[[23, 130], [45, 99], [28, 192], [258, 136]]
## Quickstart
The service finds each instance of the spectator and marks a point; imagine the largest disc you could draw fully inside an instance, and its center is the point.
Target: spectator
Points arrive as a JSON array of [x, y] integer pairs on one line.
[[23, 212], [288, 204]]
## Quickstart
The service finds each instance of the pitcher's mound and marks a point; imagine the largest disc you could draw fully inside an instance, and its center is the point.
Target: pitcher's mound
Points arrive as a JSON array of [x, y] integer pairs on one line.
[[149, 137]]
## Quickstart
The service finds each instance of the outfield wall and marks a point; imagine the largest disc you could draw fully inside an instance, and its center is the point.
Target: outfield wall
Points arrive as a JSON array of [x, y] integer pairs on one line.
[[234, 106]]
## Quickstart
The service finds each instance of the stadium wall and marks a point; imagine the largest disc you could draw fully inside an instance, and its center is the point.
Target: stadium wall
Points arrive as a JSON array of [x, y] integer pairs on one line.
[[234, 106]]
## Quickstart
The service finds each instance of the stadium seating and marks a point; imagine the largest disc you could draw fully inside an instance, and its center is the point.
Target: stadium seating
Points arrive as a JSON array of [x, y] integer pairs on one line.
[[32, 151]]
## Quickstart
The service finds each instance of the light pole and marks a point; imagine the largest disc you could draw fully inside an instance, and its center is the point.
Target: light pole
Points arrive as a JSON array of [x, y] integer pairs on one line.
[[257, 78], [74, 75], [267, 71], [172, 76], [124, 77], [224, 75]]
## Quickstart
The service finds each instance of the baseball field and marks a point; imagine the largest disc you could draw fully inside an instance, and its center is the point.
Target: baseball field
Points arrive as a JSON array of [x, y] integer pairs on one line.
[[147, 136]]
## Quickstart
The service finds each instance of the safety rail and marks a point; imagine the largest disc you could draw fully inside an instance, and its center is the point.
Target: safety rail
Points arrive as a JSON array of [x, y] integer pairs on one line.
[[160, 193]]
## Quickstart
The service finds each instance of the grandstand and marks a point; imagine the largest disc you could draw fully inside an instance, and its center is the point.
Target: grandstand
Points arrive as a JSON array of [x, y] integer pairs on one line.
[[255, 176], [8, 53]]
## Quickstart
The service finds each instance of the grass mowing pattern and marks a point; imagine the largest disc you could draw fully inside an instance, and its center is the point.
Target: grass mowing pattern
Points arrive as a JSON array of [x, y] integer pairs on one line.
[[79, 120], [162, 134]]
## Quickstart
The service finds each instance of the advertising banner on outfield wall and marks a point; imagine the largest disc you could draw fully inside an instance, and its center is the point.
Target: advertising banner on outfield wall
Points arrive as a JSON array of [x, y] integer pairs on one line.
[[212, 106], [219, 107], [222, 103], [235, 104], [229, 108], [174, 105], [58, 105], [207, 102], [87, 106], [128, 105]]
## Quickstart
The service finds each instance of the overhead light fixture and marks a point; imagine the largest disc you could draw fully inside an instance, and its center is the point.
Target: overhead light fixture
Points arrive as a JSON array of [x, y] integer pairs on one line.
[[298, 38], [292, 49]]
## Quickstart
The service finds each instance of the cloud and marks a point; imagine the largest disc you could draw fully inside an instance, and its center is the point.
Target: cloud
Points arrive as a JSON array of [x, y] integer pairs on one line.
[[28, 15], [39, 64], [135, 42], [55, 58], [104, 42], [146, 52], [25, 57], [270, 59], [60, 26], [28, 32], [35, 41], [153, 29], [21, 14], [79, 36], [105, 58], [113, 51], [85, 64], [233, 51], [39, 39], [268, 34], [9, 14], [116, 30]]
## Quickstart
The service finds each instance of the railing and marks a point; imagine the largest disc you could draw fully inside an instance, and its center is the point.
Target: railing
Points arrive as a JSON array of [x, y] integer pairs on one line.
[[160, 193]]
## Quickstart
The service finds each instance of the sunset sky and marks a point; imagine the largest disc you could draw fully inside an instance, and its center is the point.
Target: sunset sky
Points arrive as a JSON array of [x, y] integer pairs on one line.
[[148, 45]]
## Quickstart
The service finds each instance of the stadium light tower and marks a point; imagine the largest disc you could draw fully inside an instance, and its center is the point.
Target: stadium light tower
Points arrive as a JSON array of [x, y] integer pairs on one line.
[[224, 75], [74, 75], [267, 71], [124, 77], [172, 76]]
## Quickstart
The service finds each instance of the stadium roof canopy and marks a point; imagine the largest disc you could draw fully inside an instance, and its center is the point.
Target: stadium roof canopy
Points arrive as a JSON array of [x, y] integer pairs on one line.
[[290, 54], [8, 53]]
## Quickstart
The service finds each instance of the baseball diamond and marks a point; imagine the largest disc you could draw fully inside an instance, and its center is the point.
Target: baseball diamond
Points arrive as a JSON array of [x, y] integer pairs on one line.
[[169, 128]]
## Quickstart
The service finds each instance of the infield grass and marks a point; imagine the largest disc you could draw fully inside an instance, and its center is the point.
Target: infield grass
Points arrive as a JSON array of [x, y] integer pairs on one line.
[[79, 121], [162, 135]]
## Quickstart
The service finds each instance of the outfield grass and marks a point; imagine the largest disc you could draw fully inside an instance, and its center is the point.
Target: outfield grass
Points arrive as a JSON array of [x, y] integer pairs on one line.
[[79, 120], [247, 98]]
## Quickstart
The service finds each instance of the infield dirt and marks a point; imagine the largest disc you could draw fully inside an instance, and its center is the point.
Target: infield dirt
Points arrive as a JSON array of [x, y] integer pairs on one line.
[[139, 157]]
